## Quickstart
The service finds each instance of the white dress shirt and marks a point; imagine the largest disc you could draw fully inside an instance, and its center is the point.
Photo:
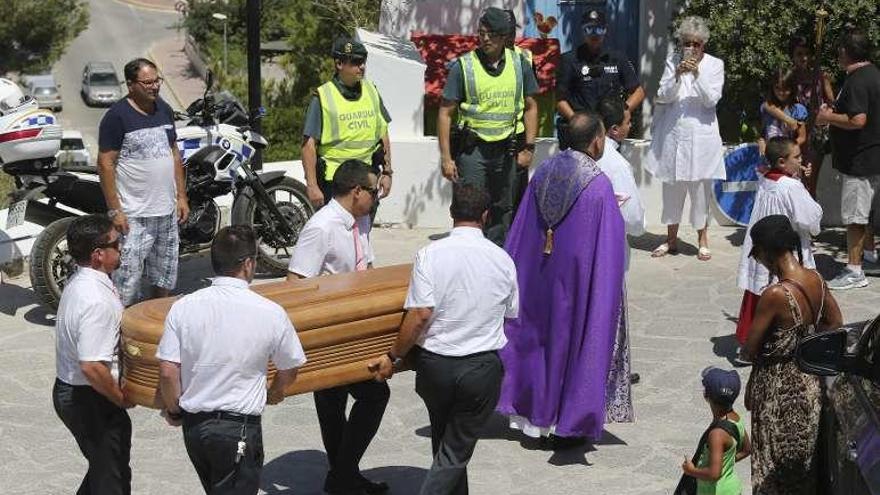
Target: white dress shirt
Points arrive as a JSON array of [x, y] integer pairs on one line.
[[471, 285], [619, 172], [685, 138], [223, 337], [87, 325], [787, 197], [326, 243]]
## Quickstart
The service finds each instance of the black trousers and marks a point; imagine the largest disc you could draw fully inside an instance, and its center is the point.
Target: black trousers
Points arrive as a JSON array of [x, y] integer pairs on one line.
[[103, 432], [212, 445], [346, 439], [461, 394]]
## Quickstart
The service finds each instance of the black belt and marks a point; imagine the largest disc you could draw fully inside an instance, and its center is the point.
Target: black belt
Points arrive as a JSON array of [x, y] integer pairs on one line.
[[422, 350], [228, 416]]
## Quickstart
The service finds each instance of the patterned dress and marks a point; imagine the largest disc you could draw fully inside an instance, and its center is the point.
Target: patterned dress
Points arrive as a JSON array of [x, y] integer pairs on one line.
[[786, 406]]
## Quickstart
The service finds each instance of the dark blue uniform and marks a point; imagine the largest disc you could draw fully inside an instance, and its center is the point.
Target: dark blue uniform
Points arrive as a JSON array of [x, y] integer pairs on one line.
[[584, 80]]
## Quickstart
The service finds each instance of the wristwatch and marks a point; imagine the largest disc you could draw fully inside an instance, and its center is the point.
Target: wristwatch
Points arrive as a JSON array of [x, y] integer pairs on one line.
[[174, 416], [112, 213], [529, 147], [389, 173], [396, 362]]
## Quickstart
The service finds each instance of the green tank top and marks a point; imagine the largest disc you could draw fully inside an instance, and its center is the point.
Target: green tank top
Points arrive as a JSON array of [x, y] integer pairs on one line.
[[728, 483]]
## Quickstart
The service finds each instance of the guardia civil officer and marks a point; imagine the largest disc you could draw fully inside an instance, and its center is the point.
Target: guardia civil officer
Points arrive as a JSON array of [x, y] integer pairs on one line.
[[490, 90], [591, 72], [454, 337], [87, 396], [346, 120], [213, 366], [336, 239]]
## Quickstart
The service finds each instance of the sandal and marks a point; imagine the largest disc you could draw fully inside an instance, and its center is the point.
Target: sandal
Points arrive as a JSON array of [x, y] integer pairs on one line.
[[662, 250], [704, 254]]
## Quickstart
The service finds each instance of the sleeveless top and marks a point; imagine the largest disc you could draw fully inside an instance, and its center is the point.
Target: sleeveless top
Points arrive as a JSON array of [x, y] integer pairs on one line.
[[729, 483]]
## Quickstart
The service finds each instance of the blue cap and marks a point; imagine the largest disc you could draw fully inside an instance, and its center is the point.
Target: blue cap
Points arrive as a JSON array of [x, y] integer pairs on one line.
[[722, 386]]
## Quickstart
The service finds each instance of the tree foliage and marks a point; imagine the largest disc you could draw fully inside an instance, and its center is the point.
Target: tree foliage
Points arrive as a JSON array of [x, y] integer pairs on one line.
[[308, 26], [752, 37], [35, 33]]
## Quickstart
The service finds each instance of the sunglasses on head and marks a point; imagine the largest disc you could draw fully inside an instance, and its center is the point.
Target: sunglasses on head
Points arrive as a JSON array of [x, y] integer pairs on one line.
[[109, 245], [591, 30]]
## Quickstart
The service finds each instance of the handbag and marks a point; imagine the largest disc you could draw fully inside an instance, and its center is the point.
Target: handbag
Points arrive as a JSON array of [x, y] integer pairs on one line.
[[687, 484]]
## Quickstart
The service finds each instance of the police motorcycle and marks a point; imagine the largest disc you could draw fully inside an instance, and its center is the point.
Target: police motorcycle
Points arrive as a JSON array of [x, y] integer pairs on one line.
[[216, 145]]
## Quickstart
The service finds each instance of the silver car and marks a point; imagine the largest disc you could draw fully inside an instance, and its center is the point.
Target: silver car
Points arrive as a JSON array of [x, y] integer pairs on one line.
[[44, 90], [100, 85]]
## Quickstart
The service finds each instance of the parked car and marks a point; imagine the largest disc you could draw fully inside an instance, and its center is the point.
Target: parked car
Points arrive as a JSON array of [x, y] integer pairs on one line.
[[73, 152], [851, 419], [45, 90], [100, 85]]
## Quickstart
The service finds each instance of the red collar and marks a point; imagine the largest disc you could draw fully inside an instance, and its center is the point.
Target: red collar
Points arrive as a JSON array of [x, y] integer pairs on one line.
[[775, 175]]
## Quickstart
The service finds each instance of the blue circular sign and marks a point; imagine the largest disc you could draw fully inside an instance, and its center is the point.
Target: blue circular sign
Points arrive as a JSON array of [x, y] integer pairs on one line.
[[735, 196]]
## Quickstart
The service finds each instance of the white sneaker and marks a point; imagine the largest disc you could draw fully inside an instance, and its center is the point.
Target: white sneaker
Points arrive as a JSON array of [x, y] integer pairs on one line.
[[848, 279]]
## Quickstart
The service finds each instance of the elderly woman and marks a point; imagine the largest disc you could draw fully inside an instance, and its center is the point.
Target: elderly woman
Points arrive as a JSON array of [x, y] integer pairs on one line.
[[686, 152]]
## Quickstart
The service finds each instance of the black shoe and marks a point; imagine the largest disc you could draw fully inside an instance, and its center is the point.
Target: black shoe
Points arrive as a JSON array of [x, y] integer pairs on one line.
[[334, 486], [373, 487], [634, 378]]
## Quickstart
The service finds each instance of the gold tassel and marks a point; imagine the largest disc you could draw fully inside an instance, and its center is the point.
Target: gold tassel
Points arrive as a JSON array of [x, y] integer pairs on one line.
[[548, 244]]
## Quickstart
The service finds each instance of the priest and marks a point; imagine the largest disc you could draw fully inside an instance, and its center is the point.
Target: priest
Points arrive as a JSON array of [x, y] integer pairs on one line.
[[568, 244]]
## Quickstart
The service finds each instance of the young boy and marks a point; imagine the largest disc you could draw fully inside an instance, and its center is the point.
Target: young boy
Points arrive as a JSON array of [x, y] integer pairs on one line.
[[727, 441], [780, 192]]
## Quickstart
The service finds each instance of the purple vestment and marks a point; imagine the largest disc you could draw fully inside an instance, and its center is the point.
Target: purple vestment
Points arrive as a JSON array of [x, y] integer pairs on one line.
[[560, 348]]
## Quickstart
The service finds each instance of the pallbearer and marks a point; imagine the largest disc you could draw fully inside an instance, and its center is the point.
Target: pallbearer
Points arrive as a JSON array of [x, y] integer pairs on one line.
[[213, 359], [337, 240], [454, 336]]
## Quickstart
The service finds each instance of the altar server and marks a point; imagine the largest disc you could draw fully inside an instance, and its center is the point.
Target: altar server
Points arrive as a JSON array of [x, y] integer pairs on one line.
[[213, 365], [337, 240]]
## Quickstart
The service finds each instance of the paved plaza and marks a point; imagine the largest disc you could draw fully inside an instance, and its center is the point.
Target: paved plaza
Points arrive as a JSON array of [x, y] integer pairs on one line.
[[683, 315]]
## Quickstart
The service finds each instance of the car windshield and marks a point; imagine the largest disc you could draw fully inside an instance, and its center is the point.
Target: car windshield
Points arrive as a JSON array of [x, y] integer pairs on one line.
[[44, 91], [104, 78]]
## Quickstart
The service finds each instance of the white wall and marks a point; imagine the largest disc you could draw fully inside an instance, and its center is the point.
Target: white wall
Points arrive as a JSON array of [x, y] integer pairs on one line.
[[401, 17]]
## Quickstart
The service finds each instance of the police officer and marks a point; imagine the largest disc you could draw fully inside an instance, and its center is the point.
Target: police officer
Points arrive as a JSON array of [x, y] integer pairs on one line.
[[491, 90], [213, 367], [591, 72], [346, 120]]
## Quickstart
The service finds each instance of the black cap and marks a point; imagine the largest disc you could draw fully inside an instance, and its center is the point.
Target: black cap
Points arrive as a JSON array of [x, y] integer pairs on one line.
[[721, 386], [593, 17], [512, 19], [347, 47], [498, 20]]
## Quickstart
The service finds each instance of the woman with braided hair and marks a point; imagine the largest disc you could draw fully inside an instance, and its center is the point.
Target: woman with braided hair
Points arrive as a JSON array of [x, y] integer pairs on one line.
[[785, 403]]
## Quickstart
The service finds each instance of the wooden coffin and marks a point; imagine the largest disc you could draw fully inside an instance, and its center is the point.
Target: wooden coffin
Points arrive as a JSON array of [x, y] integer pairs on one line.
[[343, 321]]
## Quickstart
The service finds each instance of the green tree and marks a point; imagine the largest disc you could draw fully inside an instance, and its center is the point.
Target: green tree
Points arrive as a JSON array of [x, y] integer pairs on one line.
[[35, 33], [752, 36], [308, 27]]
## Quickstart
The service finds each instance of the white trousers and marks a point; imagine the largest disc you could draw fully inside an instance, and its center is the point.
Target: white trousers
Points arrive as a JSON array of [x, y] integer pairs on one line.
[[673, 202]]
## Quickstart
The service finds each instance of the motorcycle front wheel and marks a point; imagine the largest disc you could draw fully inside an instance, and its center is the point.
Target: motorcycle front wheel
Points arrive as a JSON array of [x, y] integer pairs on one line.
[[290, 197], [50, 262]]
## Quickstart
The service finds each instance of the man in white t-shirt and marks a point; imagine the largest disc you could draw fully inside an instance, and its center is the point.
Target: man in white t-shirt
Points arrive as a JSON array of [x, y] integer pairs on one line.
[[462, 288], [87, 396], [336, 239], [213, 366], [143, 182]]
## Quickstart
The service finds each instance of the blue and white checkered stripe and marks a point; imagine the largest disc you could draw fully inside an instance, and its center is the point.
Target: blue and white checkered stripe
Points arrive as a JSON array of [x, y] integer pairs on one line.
[[40, 120], [188, 147]]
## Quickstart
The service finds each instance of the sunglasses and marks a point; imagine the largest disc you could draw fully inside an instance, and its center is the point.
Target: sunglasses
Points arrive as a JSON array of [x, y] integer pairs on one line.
[[691, 44], [356, 60], [150, 84], [374, 191], [109, 245], [595, 30]]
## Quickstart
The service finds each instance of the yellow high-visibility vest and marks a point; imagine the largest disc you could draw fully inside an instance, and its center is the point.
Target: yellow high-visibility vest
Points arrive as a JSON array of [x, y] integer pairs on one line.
[[350, 130], [493, 105]]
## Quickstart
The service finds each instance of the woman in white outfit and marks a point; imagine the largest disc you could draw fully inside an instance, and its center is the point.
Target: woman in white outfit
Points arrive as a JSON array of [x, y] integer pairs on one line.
[[686, 152]]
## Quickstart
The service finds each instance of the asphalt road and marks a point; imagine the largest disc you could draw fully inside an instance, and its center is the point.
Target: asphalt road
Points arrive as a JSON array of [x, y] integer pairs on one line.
[[117, 33]]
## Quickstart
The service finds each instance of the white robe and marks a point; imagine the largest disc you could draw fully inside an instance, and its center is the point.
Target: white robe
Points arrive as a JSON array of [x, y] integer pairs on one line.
[[685, 139], [619, 172], [788, 197]]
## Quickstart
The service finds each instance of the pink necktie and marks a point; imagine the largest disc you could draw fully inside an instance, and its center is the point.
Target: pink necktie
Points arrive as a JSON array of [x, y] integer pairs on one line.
[[360, 262]]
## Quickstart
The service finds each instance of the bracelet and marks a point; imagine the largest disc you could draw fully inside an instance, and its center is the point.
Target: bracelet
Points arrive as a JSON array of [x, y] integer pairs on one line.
[[389, 173], [174, 416], [529, 147]]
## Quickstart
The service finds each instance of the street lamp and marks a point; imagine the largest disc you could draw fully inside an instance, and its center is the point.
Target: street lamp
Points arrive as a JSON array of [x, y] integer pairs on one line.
[[222, 17]]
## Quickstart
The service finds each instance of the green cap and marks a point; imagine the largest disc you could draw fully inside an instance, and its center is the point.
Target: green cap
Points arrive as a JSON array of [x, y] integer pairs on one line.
[[498, 20], [347, 47]]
